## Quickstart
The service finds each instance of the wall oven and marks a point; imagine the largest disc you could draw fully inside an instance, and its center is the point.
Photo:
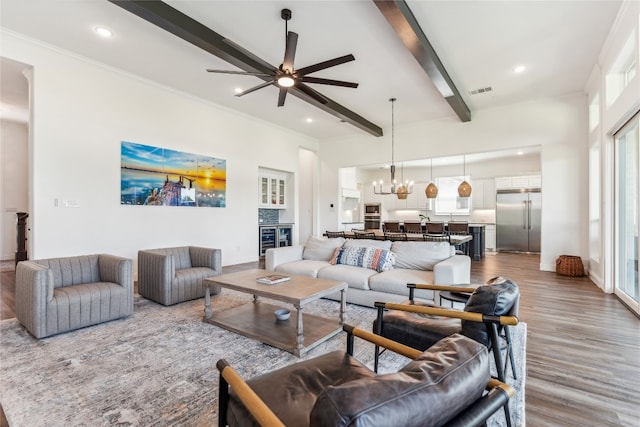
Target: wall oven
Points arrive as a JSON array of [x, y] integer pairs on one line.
[[372, 216]]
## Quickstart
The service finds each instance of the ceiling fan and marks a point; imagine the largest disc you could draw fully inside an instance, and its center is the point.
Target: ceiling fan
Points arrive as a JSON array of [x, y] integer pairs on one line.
[[287, 76]]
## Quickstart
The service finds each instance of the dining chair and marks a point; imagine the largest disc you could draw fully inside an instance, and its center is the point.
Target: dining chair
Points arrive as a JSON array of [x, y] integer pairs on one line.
[[435, 227], [333, 234], [395, 236], [413, 227], [393, 226], [462, 229], [363, 234]]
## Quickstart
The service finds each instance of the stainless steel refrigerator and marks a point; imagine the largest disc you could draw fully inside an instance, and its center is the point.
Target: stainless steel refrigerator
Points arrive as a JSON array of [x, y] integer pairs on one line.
[[518, 215]]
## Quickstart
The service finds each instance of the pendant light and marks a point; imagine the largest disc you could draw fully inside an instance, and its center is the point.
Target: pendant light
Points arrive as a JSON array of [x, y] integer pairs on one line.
[[431, 191], [405, 188], [464, 189]]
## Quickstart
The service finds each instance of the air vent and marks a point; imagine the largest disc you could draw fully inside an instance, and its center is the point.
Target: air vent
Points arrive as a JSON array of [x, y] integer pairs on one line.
[[481, 90]]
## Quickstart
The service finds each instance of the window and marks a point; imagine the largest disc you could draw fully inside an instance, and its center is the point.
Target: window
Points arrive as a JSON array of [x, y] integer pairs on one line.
[[623, 70], [448, 201]]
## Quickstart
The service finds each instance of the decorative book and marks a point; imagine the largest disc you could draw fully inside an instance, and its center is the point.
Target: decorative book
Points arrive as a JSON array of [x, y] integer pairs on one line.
[[272, 279]]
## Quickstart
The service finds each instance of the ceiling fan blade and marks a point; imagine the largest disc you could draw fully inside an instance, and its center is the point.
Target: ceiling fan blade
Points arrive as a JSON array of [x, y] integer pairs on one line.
[[290, 51], [242, 73], [281, 96], [325, 64], [253, 89], [317, 80], [312, 93]]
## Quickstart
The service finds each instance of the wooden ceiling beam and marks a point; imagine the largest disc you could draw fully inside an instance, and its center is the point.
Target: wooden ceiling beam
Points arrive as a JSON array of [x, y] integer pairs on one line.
[[192, 31], [406, 26]]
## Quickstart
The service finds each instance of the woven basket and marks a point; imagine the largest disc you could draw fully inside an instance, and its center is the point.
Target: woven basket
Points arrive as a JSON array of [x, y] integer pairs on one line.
[[569, 265]]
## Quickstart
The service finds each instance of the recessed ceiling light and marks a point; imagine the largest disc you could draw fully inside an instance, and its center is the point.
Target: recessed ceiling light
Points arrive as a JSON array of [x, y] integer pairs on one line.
[[309, 119], [519, 68], [238, 90], [520, 153], [103, 32]]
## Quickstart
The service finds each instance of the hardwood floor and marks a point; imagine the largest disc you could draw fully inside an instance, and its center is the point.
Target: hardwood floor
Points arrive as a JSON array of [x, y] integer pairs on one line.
[[583, 346]]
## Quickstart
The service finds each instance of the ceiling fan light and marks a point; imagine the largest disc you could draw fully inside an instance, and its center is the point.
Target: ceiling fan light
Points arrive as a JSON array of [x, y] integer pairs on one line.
[[464, 189], [286, 81], [431, 191]]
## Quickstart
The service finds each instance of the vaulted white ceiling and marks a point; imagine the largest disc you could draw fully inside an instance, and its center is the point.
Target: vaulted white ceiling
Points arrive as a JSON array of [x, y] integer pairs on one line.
[[479, 43]]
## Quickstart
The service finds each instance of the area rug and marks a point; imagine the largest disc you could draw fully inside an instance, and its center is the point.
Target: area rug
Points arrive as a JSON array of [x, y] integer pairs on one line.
[[157, 367]]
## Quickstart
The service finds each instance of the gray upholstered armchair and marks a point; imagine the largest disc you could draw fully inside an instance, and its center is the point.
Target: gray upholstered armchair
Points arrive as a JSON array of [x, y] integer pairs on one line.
[[172, 275], [62, 294]]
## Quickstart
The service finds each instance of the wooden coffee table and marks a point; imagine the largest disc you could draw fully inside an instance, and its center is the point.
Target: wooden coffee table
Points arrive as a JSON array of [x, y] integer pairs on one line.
[[257, 320]]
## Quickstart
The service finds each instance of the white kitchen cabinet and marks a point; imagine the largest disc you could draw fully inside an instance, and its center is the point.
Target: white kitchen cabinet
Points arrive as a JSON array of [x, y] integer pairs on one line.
[[489, 237], [517, 182], [477, 194], [272, 191], [503, 182], [483, 195], [535, 181], [520, 182], [489, 196]]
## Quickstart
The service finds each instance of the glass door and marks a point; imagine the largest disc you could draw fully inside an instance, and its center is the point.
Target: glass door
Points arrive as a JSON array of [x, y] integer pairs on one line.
[[627, 217]]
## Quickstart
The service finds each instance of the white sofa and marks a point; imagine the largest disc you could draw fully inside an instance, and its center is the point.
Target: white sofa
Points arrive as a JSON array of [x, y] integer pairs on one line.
[[415, 262]]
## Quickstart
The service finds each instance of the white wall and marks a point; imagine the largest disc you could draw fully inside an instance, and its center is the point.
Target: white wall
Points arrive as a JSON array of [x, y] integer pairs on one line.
[[13, 182], [611, 119], [558, 125], [82, 111]]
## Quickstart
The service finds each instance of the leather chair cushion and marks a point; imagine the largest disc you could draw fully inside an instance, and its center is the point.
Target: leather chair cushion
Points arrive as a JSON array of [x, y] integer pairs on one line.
[[416, 330], [428, 391], [291, 392], [495, 299]]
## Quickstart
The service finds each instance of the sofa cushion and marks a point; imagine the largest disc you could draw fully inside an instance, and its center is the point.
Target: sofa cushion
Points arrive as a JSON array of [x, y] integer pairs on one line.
[[382, 244], [428, 391], [420, 255], [367, 257], [320, 249], [395, 281], [307, 267], [356, 277]]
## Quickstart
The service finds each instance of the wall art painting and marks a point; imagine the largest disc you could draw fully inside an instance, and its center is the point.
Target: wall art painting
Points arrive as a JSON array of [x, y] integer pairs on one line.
[[158, 176]]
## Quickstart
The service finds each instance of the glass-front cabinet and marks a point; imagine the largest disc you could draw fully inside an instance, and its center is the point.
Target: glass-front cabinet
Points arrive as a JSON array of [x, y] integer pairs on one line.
[[273, 191]]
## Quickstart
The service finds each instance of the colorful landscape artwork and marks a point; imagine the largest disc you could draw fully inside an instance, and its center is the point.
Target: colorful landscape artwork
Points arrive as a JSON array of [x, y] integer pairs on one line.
[[156, 176]]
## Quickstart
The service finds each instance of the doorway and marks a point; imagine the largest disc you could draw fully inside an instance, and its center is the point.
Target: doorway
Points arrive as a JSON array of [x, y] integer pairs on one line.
[[627, 213], [14, 149]]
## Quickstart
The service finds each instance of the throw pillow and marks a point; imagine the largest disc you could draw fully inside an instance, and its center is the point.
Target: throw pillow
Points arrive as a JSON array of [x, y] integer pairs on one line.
[[367, 257], [320, 249]]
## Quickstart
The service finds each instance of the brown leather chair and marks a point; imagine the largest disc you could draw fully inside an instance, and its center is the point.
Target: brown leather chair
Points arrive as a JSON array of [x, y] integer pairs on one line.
[[487, 315], [435, 228], [393, 226], [335, 389], [458, 227], [413, 227]]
